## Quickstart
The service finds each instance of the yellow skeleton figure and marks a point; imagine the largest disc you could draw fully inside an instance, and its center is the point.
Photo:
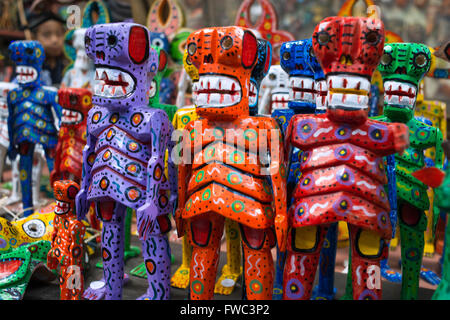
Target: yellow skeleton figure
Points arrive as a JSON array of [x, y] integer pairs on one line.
[[435, 111]]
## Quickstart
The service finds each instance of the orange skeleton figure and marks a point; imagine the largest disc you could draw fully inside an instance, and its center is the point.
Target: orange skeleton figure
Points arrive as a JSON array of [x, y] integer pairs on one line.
[[67, 241], [220, 175]]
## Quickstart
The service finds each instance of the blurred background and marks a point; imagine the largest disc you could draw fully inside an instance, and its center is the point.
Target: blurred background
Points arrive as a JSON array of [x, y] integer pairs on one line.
[[423, 21]]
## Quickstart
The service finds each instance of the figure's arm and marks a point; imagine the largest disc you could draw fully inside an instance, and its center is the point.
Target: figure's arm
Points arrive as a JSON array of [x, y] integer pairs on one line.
[[12, 149], [288, 150], [278, 174], [147, 213], [264, 105], [172, 170], [392, 191], [53, 101], [82, 205], [55, 172], [77, 231], [184, 167], [439, 151], [52, 262]]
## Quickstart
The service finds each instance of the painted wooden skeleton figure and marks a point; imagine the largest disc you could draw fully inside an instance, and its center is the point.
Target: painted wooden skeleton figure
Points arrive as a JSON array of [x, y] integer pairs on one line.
[[220, 175], [342, 161], [123, 161], [33, 114], [67, 241]]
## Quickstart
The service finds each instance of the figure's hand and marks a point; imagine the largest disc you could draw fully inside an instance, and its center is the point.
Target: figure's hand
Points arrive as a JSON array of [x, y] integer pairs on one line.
[[81, 205], [179, 222], [12, 153], [173, 204], [52, 263], [401, 137], [146, 217], [281, 229]]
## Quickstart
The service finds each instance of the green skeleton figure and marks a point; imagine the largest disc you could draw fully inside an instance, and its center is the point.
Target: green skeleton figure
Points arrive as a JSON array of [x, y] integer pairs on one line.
[[442, 200], [154, 100], [402, 67]]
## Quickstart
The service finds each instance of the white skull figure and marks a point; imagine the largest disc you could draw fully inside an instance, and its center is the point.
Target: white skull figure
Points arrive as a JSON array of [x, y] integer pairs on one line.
[[81, 75], [274, 92]]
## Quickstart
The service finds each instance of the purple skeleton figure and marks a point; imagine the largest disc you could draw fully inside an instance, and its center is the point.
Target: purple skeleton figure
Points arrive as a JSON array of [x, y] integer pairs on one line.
[[123, 160]]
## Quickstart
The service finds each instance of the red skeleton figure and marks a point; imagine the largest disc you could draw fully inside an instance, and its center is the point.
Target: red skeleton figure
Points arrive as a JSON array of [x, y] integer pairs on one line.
[[76, 103], [226, 179], [342, 162], [67, 241]]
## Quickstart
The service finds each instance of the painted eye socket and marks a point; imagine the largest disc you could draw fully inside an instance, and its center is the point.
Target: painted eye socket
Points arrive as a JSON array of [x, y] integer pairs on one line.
[[323, 38], [87, 41], [29, 51], [73, 100], [420, 60], [386, 59], [226, 42], [372, 37], [34, 228], [158, 43], [111, 40], [192, 47], [272, 76], [286, 55]]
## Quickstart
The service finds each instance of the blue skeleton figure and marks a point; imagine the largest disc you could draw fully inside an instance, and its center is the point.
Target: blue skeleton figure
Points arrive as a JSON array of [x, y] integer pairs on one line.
[[307, 88], [123, 161], [34, 114], [259, 72]]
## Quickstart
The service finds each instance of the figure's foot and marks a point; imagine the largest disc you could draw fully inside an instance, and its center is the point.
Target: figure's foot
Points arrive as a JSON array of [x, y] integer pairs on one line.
[[227, 281], [96, 290], [151, 294], [393, 244], [429, 276], [442, 292], [277, 293], [317, 295], [140, 271], [428, 250], [180, 279], [390, 275], [131, 252]]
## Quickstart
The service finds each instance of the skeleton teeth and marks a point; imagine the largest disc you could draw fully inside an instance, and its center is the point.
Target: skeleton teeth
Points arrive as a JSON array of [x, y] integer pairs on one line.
[[112, 83], [348, 82], [216, 91]]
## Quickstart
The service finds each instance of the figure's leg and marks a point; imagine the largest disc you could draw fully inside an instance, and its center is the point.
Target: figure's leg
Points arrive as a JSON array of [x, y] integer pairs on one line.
[[26, 151], [428, 235], [38, 158], [3, 150], [412, 226], [258, 263], [156, 253], [443, 290], [302, 258], [180, 279], [279, 270], [16, 192], [113, 216], [325, 289], [367, 251], [387, 272], [71, 282], [205, 232], [232, 269]]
